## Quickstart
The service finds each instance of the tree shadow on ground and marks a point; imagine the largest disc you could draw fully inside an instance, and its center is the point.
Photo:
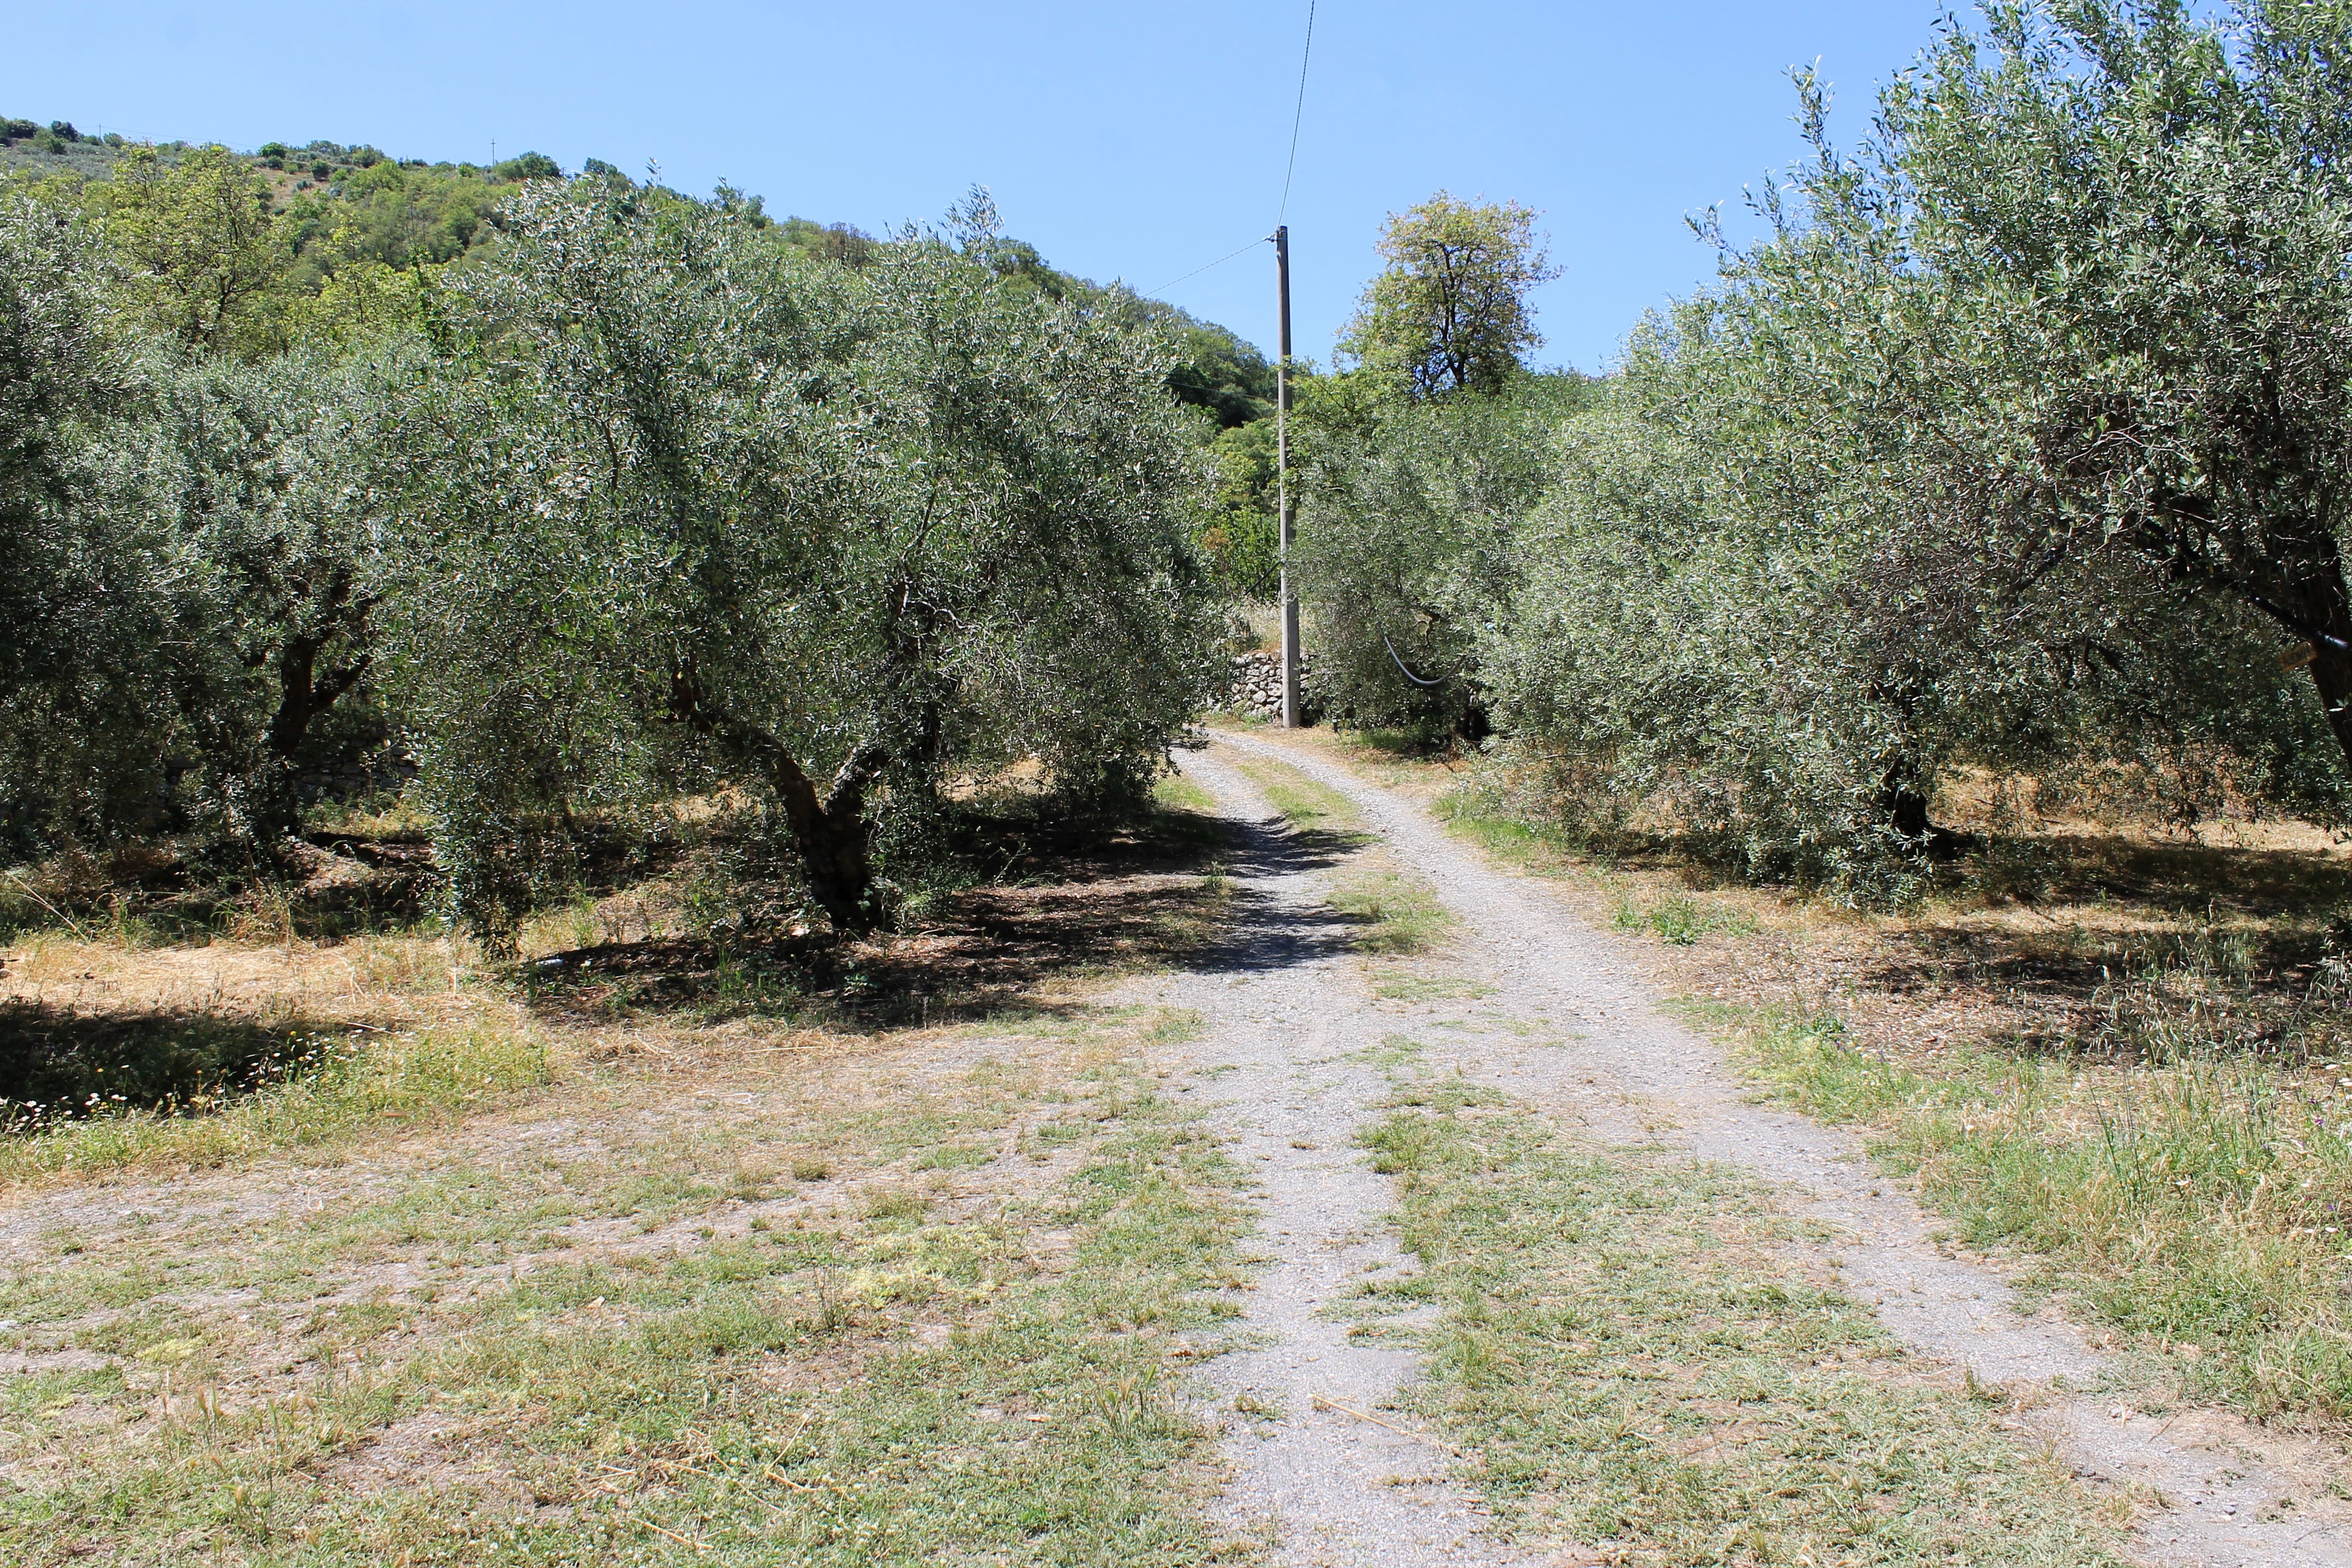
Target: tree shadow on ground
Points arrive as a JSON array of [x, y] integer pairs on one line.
[[2255, 883], [1043, 900], [2221, 950], [61, 1063], [330, 885], [1066, 901], [1261, 932]]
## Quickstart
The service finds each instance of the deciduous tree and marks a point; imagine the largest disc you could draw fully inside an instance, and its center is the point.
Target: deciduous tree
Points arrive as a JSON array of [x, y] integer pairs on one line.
[[206, 256], [1449, 312]]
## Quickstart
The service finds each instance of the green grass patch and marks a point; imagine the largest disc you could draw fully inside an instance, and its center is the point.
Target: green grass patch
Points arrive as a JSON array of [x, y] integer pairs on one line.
[[1395, 914], [1308, 805], [1473, 810], [1678, 922], [1174, 792], [906, 1386], [1393, 1051], [1635, 1372], [2197, 1201], [1396, 985], [345, 1086]]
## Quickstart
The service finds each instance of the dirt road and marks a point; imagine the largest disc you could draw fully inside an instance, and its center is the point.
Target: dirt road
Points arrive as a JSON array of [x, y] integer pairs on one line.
[[1562, 1022]]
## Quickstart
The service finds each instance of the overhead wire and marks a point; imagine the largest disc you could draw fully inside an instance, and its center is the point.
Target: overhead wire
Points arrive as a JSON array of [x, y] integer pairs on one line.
[[1299, 114], [1289, 168], [1220, 261]]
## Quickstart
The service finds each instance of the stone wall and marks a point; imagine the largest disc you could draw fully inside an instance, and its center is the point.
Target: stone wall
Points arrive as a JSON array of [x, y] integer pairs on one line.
[[1256, 686]]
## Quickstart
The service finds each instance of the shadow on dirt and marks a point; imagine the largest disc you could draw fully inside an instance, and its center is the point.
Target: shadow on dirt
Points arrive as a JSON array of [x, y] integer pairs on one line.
[[61, 1063], [1045, 902], [1260, 933]]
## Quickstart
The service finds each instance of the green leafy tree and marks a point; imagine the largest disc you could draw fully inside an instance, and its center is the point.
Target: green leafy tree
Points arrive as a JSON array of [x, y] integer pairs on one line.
[[277, 481], [208, 258], [1449, 312], [1407, 516], [1220, 373], [713, 512], [1240, 535], [80, 711], [528, 167]]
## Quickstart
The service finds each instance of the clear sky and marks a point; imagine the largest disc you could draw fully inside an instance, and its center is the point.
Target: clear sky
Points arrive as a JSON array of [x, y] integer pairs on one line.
[[1124, 140]]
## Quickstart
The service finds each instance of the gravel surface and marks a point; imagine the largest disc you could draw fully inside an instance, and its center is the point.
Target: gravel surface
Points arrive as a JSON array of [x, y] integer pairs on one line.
[[1288, 1019], [1316, 1464]]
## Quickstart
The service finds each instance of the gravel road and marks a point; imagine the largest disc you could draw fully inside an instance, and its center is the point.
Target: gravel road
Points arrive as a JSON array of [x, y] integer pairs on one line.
[[1288, 1019]]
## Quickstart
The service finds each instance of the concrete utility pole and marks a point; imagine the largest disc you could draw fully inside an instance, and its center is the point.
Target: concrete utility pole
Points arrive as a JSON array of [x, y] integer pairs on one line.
[[1291, 712]]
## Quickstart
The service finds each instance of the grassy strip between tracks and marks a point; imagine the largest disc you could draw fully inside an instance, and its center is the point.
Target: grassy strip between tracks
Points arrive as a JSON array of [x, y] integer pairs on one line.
[[1396, 913], [1632, 1367]]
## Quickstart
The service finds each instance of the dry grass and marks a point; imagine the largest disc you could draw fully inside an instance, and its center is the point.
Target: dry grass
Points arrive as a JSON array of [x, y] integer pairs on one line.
[[907, 1259], [923, 1293], [369, 979]]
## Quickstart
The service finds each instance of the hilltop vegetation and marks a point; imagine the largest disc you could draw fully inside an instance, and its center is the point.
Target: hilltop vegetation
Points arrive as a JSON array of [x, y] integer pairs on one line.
[[326, 211]]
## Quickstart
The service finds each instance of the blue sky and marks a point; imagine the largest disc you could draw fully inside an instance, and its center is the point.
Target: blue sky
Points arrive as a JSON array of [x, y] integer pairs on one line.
[[1123, 140]]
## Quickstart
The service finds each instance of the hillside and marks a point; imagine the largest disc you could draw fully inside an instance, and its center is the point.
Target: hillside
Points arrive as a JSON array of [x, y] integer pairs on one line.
[[348, 204], [650, 912]]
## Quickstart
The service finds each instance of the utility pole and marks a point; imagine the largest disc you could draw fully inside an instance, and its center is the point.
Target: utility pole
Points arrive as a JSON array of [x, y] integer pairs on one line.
[[1290, 705]]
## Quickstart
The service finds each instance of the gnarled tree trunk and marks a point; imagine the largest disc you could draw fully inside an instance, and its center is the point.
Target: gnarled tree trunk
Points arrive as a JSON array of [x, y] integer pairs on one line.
[[831, 830]]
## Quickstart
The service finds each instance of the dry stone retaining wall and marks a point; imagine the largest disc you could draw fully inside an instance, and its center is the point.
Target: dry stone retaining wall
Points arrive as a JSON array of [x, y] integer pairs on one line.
[[1256, 686]]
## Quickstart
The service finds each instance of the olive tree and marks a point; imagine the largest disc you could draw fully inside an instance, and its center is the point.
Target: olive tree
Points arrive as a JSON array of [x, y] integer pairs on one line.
[[1408, 511], [712, 513], [2015, 446], [187, 551], [2090, 269], [1757, 622], [274, 484], [77, 715]]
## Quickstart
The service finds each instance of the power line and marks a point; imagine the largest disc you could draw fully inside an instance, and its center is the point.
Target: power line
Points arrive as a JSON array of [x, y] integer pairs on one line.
[[1298, 113], [1220, 261]]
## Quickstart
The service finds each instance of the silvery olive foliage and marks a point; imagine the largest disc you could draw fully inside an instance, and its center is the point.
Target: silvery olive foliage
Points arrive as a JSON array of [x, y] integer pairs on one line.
[[189, 554], [1710, 630], [2016, 446], [73, 713], [274, 484], [2086, 277], [708, 513], [2101, 246], [1408, 510]]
